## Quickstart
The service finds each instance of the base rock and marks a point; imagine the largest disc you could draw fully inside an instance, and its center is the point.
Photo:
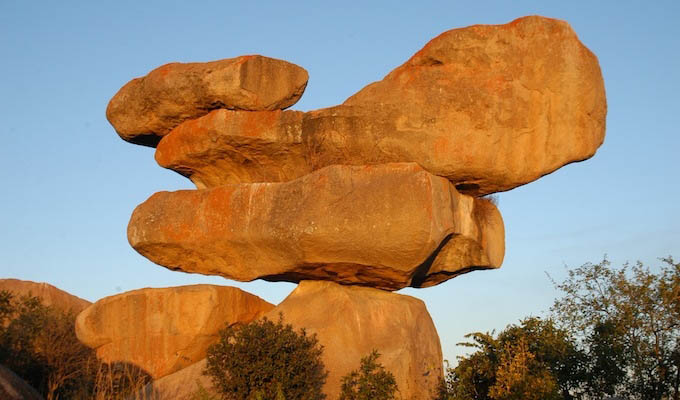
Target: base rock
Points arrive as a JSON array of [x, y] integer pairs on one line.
[[147, 108], [351, 321], [164, 330]]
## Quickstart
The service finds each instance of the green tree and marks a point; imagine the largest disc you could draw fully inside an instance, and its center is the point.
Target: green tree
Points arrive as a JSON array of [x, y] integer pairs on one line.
[[39, 344], [533, 360], [629, 318], [370, 382], [264, 360]]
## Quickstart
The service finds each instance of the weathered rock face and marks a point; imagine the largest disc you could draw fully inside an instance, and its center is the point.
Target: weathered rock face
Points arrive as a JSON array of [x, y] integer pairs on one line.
[[371, 225], [147, 108], [227, 147], [185, 384], [12, 387], [164, 330], [351, 321], [489, 107], [48, 294]]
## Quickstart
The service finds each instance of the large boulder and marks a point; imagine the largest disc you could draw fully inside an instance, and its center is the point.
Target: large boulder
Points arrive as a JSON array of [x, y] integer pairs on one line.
[[351, 321], [49, 295], [164, 330], [379, 226], [489, 107], [147, 108]]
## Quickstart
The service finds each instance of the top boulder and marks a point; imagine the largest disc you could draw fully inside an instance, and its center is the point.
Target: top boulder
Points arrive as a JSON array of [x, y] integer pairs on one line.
[[147, 108], [490, 107]]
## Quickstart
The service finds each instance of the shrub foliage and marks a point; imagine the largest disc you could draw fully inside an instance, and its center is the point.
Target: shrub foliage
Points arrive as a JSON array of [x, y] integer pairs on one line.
[[39, 344], [371, 382], [266, 360]]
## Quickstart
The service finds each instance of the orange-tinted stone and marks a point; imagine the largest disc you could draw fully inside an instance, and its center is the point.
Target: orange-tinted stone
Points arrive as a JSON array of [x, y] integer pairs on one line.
[[370, 225], [164, 330]]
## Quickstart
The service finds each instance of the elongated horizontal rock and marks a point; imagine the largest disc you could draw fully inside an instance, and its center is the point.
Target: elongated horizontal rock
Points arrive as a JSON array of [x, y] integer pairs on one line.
[[147, 108], [164, 330], [350, 322], [489, 107], [371, 225], [227, 146]]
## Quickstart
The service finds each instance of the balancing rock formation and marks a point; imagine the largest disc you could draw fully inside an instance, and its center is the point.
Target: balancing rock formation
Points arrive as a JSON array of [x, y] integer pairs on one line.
[[383, 191]]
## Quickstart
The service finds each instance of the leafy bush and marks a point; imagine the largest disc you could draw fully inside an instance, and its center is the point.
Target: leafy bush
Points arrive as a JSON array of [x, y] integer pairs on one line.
[[264, 360], [39, 344], [614, 332], [371, 382]]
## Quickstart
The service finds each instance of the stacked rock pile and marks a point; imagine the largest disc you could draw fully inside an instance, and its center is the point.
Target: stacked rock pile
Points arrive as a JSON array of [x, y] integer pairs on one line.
[[382, 192]]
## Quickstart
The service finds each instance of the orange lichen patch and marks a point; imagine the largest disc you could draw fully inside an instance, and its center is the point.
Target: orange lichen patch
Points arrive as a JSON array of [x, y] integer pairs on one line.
[[164, 70], [254, 124], [442, 147], [497, 83], [242, 59]]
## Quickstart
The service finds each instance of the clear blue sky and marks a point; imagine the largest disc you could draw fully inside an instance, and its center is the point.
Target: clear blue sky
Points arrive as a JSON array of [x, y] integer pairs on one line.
[[70, 184]]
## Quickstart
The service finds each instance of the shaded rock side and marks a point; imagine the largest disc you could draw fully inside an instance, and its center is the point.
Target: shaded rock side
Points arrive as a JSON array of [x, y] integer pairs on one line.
[[186, 384], [49, 295], [351, 321], [147, 108], [12, 387], [376, 225], [490, 107], [164, 330], [226, 147]]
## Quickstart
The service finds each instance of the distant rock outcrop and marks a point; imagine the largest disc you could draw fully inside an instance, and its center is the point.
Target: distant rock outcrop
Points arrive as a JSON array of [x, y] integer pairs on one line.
[[48, 294], [164, 330]]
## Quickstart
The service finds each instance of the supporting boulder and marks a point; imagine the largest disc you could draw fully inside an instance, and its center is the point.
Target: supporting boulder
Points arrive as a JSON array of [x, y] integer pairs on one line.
[[351, 321], [164, 330]]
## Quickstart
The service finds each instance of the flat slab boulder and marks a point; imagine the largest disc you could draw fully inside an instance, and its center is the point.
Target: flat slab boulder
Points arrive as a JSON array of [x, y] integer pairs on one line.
[[351, 321], [147, 108], [164, 330], [375, 225]]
